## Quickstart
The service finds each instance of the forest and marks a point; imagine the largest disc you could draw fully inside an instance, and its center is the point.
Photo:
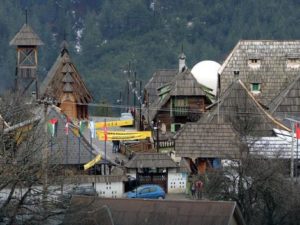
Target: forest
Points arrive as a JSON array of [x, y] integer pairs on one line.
[[105, 35]]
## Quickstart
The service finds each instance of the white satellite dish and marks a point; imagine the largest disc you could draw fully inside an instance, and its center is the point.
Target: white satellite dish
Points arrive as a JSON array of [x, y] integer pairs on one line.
[[206, 73]]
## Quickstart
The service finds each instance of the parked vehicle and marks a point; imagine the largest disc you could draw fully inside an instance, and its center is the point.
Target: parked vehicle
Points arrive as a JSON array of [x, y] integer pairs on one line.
[[150, 191], [126, 116], [80, 190]]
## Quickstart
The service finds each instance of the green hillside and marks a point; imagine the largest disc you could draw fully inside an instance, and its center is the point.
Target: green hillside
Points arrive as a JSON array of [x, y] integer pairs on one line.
[[104, 35]]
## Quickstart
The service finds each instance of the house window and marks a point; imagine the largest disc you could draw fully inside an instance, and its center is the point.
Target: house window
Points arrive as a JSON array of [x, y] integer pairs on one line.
[[293, 63], [255, 87], [254, 63]]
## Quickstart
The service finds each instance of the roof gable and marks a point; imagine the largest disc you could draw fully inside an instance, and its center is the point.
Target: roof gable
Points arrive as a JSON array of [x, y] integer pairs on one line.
[[64, 77], [239, 107], [26, 37], [159, 78], [272, 72], [183, 84], [287, 103]]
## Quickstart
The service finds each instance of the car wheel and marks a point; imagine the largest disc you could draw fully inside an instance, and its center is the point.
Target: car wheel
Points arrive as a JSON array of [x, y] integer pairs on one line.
[[160, 197]]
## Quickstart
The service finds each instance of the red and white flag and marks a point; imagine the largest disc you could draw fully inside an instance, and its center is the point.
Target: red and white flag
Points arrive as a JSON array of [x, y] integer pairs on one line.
[[67, 126]]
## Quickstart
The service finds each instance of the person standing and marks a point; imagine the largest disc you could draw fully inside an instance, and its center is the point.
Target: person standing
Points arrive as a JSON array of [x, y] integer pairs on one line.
[[199, 187], [193, 189]]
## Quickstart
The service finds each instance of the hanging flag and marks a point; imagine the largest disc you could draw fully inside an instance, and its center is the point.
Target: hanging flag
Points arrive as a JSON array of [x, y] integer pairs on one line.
[[297, 131], [67, 126], [92, 129], [52, 126], [92, 162], [82, 126]]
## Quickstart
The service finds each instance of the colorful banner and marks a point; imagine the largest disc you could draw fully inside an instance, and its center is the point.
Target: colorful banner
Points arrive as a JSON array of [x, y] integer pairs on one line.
[[118, 123], [123, 135], [92, 162]]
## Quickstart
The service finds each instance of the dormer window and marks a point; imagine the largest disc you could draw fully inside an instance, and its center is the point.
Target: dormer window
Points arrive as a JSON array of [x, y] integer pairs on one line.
[[255, 88], [293, 63], [254, 63]]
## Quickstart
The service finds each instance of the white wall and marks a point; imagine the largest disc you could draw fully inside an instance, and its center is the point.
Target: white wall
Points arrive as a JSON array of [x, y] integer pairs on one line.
[[110, 189], [177, 182]]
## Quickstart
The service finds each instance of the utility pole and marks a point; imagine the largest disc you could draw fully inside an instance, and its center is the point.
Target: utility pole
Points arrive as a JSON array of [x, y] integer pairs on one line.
[[46, 102], [140, 99], [156, 128], [293, 122]]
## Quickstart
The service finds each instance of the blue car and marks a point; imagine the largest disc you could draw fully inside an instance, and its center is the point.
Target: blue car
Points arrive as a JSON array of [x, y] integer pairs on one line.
[[150, 191]]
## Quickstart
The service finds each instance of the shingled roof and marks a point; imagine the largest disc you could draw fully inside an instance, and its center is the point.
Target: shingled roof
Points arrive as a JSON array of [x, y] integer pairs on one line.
[[272, 71], [208, 140], [26, 37], [287, 103], [183, 84], [153, 212], [151, 160], [159, 78], [55, 82], [65, 148], [240, 108]]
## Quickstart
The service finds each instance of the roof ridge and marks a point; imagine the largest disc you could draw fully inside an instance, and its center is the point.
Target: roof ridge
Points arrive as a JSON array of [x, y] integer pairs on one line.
[[262, 109], [280, 97]]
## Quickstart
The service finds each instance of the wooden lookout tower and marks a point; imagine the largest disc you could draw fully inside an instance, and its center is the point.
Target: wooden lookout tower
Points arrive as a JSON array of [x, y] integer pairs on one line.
[[27, 42]]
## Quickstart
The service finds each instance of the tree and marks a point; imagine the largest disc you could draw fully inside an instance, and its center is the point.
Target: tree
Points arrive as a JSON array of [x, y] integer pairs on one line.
[[25, 168]]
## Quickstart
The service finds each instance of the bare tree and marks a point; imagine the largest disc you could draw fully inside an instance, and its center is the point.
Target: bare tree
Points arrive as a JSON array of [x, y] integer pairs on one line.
[[22, 171]]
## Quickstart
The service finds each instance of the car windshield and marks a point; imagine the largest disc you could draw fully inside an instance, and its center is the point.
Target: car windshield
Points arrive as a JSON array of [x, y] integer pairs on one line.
[[138, 189]]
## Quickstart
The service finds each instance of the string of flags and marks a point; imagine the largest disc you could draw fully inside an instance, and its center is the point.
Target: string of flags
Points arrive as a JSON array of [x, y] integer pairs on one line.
[[99, 129]]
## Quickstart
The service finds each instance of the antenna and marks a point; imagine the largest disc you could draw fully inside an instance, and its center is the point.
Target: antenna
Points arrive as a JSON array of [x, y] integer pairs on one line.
[[182, 48], [26, 16]]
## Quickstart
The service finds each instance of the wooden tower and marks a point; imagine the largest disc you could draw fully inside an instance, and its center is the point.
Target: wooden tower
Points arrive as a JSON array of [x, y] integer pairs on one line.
[[27, 42]]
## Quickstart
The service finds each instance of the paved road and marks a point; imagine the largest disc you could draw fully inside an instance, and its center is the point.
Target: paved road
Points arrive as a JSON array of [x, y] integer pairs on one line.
[[100, 145]]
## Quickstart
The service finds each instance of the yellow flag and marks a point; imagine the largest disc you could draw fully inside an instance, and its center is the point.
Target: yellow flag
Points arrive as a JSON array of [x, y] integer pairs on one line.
[[124, 135], [92, 162], [117, 123]]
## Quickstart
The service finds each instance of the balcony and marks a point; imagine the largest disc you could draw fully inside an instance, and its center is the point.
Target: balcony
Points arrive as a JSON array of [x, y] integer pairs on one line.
[[180, 111]]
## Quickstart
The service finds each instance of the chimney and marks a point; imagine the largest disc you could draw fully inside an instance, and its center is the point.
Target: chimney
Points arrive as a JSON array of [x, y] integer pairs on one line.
[[236, 74]]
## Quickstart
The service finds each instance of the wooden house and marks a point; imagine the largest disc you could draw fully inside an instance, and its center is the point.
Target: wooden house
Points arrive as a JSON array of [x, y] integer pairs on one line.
[[64, 84], [92, 211], [266, 67], [220, 133], [173, 101]]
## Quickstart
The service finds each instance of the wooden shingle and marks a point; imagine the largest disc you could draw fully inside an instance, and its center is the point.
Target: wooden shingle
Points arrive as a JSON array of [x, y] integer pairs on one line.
[[26, 37], [208, 140], [272, 72]]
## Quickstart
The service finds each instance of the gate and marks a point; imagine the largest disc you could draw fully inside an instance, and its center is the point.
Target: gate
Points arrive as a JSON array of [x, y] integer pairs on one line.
[[160, 179]]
